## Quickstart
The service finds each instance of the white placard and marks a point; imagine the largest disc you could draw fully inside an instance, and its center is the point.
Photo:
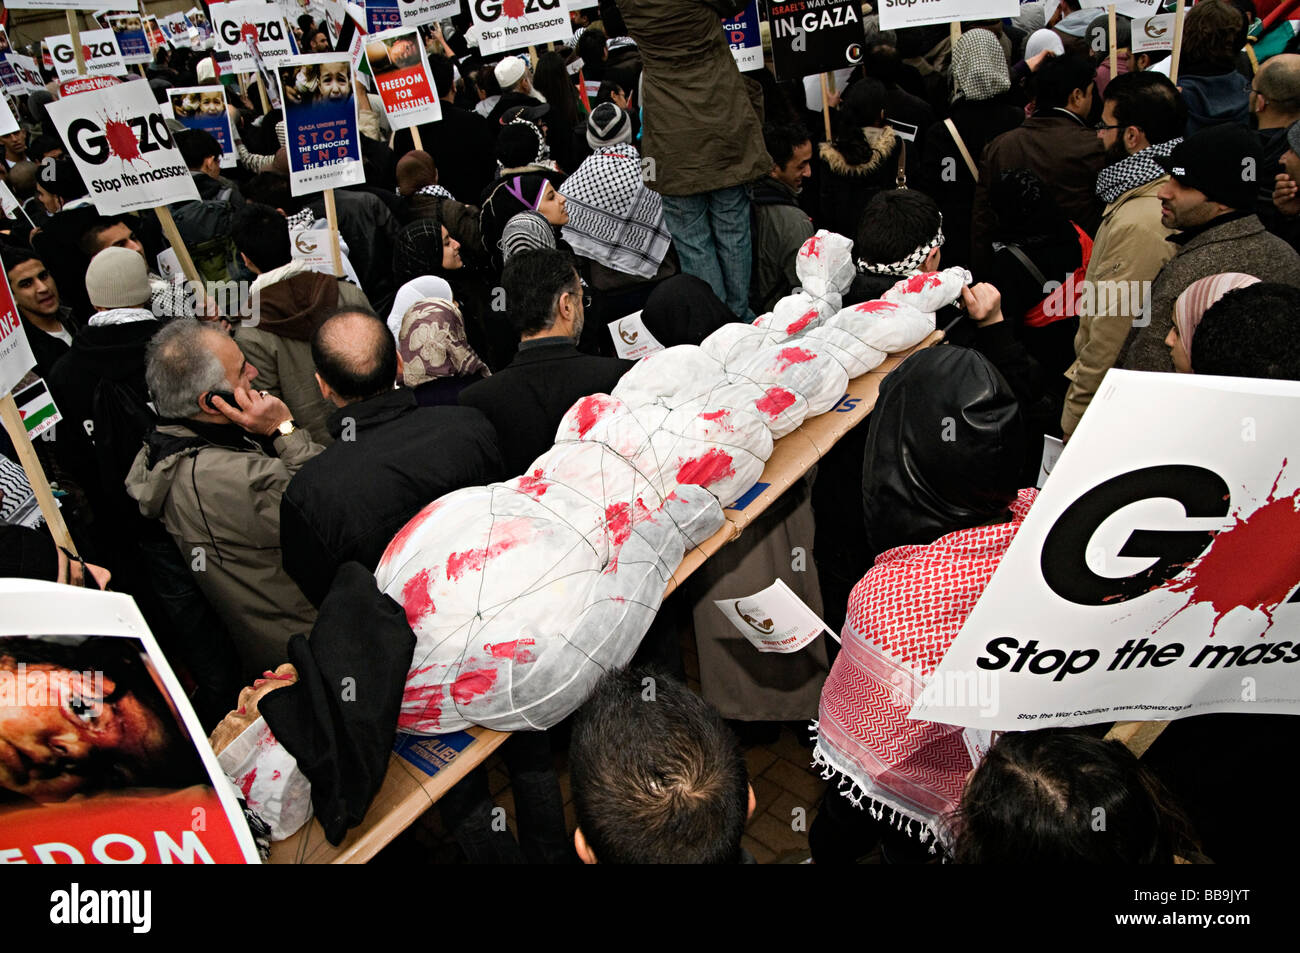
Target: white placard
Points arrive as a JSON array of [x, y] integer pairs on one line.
[[99, 47], [123, 149], [1052, 447], [10, 205], [775, 620], [8, 123], [16, 357], [416, 12], [169, 264], [1156, 575], [632, 339], [1152, 34], [896, 14], [1128, 8], [405, 85], [501, 30], [243, 22]]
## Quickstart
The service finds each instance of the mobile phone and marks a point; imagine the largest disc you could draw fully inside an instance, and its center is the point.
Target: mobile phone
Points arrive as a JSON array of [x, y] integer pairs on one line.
[[225, 395]]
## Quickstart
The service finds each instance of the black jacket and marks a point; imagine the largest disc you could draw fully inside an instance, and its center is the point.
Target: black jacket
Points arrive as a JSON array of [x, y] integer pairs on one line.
[[347, 503], [526, 400], [461, 146], [46, 348]]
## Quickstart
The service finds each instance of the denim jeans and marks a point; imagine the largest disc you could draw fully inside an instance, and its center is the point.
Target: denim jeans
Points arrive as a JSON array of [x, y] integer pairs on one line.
[[712, 236]]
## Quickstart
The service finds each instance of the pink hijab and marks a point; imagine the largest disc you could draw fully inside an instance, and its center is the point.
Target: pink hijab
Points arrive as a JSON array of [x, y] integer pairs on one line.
[[1197, 298]]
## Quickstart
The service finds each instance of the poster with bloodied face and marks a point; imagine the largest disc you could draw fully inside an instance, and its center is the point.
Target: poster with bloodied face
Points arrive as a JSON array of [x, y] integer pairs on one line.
[[1157, 575], [246, 27], [123, 148], [204, 107], [98, 47], [401, 70], [320, 117], [102, 760]]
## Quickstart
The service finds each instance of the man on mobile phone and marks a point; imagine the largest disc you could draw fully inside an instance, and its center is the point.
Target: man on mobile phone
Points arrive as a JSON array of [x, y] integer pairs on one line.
[[213, 470]]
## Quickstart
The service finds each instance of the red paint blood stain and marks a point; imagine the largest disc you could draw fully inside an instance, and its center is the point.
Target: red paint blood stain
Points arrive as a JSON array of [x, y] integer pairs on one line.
[[533, 484], [1252, 563], [802, 323], [921, 282], [777, 400], [513, 8], [429, 698], [121, 140], [416, 599], [248, 34], [876, 307], [275, 775], [515, 650], [406, 531], [507, 536], [246, 783], [813, 248], [618, 522], [85, 52], [590, 410], [708, 469], [714, 415], [472, 684], [793, 355]]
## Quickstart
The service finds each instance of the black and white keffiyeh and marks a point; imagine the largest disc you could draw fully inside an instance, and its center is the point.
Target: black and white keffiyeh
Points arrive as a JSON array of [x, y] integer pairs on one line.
[[908, 265], [430, 190], [1133, 171], [613, 217], [979, 67]]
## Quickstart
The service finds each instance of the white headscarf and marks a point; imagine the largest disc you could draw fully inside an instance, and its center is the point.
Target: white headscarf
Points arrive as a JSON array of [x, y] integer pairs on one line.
[[417, 289], [1041, 40]]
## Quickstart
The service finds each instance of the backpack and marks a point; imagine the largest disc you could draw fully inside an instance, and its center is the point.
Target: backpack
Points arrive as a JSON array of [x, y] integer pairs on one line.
[[122, 418], [205, 226]]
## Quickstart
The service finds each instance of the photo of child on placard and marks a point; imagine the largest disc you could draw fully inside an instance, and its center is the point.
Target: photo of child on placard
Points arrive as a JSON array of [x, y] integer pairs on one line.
[[320, 116], [317, 82], [204, 107]]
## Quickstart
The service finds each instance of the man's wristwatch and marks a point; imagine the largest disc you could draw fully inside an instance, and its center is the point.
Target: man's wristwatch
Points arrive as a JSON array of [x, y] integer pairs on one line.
[[286, 427]]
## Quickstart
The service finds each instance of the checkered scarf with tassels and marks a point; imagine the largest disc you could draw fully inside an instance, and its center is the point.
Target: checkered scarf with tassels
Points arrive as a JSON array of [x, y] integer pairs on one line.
[[902, 617]]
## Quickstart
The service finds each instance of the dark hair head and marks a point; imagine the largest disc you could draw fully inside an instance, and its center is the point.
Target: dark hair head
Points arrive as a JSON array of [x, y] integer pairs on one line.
[[782, 138], [657, 779], [551, 79], [13, 256], [354, 352], [272, 189], [42, 145], [88, 243], [1048, 797], [1213, 33], [533, 280], [418, 249], [22, 179], [591, 47], [1251, 332], [197, 145], [60, 177], [882, 62], [262, 234], [863, 104], [1149, 101], [1058, 77], [894, 224]]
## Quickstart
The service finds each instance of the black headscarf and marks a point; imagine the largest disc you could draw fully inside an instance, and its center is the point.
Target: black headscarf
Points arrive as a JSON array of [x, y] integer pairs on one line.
[[944, 451]]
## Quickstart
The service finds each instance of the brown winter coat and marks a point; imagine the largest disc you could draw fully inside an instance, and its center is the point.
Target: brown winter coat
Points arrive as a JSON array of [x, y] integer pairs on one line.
[[701, 132]]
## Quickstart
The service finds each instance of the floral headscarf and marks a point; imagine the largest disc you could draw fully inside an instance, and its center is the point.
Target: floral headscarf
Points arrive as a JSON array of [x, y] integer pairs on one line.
[[433, 345]]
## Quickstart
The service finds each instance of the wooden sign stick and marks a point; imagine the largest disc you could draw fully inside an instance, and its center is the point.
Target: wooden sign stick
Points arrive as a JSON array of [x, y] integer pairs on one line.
[[75, 30], [1180, 12], [332, 216], [415, 138], [826, 106], [13, 423], [1114, 52], [178, 244]]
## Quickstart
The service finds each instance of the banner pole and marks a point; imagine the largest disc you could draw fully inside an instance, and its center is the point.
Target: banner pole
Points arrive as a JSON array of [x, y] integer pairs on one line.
[[826, 106], [1180, 12], [332, 216], [1137, 736], [261, 92], [415, 138], [178, 244], [954, 32], [1114, 52], [75, 30], [140, 67], [13, 423]]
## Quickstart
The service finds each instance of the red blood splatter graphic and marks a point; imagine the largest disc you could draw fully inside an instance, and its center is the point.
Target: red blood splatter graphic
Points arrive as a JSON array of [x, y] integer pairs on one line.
[[793, 355], [513, 8], [431, 712], [514, 650], [248, 34], [505, 538], [813, 248], [416, 599], [121, 140], [406, 531], [471, 684], [876, 307], [797, 326], [246, 783], [1252, 563], [533, 484], [618, 521], [710, 468], [921, 282], [590, 410], [85, 52], [714, 415], [777, 400]]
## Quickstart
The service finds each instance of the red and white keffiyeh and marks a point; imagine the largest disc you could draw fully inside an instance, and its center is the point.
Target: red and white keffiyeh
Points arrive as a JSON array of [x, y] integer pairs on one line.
[[902, 616]]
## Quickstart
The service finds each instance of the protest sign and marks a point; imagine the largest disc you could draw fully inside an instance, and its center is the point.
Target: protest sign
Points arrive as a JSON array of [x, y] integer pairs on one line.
[[74, 653], [177, 28], [128, 29], [401, 70], [506, 25], [1156, 575], [97, 47], [774, 620], [4, 41], [416, 12], [743, 38], [60, 5], [204, 107], [20, 75], [8, 123], [154, 32], [245, 27], [199, 20], [10, 205], [1152, 34], [320, 117], [632, 339], [382, 15], [123, 149], [814, 36], [897, 14], [1127, 8], [36, 407], [16, 357], [86, 84]]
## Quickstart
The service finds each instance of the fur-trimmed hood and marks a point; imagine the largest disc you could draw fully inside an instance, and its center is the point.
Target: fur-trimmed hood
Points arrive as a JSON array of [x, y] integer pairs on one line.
[[882, 140]]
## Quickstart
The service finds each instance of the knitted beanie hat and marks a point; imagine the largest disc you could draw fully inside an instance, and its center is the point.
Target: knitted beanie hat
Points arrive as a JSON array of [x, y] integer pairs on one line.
[[608, 125], [117, 278]]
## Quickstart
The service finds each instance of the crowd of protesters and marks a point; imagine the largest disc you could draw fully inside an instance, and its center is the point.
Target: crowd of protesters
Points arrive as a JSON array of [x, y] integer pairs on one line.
[[221, 467]]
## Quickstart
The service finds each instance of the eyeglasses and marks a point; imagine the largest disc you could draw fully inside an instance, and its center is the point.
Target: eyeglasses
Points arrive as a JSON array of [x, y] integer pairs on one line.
[[1101, 126]]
